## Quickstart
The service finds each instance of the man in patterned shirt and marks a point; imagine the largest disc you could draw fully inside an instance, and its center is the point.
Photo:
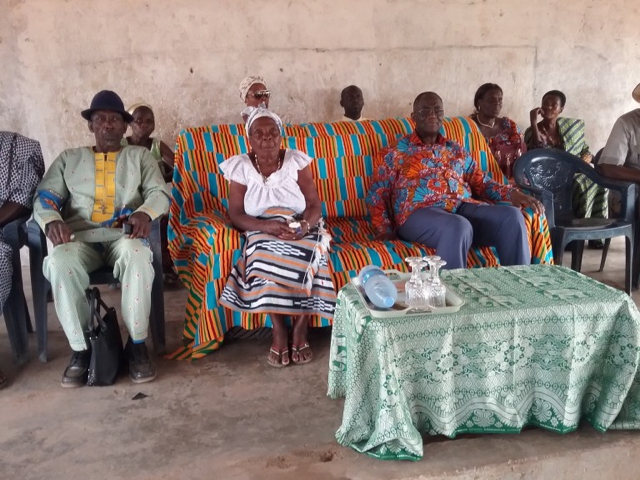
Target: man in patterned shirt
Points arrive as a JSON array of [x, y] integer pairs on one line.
[[423, 191], [21, 168], [81, 204]]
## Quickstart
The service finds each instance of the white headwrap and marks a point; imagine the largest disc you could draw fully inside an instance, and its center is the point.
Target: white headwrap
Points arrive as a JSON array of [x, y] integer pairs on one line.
[[263, 112], [247, 83]]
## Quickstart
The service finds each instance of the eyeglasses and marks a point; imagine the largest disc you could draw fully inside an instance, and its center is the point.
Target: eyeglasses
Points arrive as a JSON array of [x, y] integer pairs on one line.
[[261, 94], [425, 112]]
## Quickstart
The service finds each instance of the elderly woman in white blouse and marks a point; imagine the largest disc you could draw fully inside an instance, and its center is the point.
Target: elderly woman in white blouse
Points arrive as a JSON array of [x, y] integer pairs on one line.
[[284, 270]]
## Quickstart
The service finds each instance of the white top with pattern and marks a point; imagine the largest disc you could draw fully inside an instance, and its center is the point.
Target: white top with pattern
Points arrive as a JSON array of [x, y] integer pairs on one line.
[[281, 188], [21, 168]]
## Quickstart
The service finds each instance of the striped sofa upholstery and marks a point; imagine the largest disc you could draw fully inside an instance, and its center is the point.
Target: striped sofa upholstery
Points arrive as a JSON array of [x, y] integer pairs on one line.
[[204, 245]]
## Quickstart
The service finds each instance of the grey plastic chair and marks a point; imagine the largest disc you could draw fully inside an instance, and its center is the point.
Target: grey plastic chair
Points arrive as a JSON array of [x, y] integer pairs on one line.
[[548, 175], [103, 276], [635, 268], [15, 311]]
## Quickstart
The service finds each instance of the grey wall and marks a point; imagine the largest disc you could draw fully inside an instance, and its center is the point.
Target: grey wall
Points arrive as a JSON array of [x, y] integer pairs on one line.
[[187, 57]]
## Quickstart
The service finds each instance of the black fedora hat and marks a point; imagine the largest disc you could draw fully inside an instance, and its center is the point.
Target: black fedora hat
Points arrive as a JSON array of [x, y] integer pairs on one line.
[[107, 100]]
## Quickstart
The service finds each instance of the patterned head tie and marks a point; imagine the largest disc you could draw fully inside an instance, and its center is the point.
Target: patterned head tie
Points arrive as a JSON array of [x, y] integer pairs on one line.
[[263, 112], [247, 83]]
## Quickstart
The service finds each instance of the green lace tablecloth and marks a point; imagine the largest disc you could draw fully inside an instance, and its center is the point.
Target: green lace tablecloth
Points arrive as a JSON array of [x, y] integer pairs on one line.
[[537, 345]]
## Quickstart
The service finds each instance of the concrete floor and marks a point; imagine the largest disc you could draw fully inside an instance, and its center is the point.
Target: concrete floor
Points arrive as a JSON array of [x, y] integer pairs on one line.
[[230, 416]]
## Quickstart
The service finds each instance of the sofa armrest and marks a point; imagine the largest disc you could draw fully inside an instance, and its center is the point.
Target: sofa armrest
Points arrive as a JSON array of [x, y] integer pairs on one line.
[[538, 227], [539, 236], [201, 238], [213, 226]]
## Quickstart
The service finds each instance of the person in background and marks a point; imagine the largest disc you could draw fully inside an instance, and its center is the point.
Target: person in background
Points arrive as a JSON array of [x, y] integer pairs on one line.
[[21, 169], [554, 131], [568, 134], [427, 189], [254, 93], [142, 126], [503, 136], [352, 101], [620, 159], [84, 199]]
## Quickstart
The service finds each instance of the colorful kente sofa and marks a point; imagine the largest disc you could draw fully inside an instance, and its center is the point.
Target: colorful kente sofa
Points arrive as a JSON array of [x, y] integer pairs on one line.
[[204, 245]]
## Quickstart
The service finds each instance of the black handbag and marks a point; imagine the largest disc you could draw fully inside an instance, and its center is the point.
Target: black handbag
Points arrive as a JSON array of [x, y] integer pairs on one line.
[[107, 354]]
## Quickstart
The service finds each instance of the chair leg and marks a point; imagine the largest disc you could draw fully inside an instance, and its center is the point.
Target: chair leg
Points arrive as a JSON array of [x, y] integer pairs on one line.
[[14, 310], [15, 315], [39, 286], [576, 255], [157, 321], [27, 316], [605, 252], [16, 320], [557, 245], [17, 333], [558, 255], [635, 269], [628, 264]]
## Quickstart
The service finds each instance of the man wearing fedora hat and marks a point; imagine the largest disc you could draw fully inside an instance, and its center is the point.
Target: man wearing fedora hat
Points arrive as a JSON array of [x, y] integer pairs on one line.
[[620, 159], [82, 203]]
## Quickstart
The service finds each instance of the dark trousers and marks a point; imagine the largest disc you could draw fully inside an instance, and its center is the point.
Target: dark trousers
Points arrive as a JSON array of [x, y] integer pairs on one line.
[[452, 234]]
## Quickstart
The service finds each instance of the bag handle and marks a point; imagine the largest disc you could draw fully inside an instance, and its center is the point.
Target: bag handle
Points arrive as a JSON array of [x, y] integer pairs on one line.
[[95, 302]]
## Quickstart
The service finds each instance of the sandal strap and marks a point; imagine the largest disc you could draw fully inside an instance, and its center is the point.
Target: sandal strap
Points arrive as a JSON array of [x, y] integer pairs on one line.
[[280, 352], [299, 348], [281, 355]]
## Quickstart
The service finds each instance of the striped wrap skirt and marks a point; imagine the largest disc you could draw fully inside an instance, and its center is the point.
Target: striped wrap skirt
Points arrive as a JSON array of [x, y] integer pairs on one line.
[[287, 277]]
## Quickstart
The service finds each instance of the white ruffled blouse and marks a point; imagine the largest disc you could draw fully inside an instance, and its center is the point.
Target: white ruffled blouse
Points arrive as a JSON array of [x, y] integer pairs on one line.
[[281, 188]]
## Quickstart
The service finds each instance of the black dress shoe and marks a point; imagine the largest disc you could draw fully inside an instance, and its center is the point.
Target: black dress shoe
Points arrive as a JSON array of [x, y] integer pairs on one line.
[[141, 368], [75, 375]]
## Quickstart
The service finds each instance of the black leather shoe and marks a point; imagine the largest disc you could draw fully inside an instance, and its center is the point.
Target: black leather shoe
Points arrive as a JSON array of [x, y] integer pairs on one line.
[[141, 368], [75, 375]]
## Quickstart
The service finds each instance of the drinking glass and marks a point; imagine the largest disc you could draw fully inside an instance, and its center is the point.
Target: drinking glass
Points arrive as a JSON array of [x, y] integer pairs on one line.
[[414, 288], [437, 289], [429, 260]]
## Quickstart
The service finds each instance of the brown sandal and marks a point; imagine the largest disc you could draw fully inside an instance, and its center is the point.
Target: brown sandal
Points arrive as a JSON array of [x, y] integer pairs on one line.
[[282, 354]]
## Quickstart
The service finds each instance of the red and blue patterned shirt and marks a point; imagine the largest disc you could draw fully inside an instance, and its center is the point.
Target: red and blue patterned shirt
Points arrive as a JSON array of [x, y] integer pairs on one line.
[[413, 175]]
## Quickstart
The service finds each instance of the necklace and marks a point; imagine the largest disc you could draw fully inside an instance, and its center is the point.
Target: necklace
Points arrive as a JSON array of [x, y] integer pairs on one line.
[[485, 124], [265, 178]]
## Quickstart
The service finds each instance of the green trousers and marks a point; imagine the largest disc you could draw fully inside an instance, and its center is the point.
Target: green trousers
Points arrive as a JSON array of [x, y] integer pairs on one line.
[[68, 267]]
